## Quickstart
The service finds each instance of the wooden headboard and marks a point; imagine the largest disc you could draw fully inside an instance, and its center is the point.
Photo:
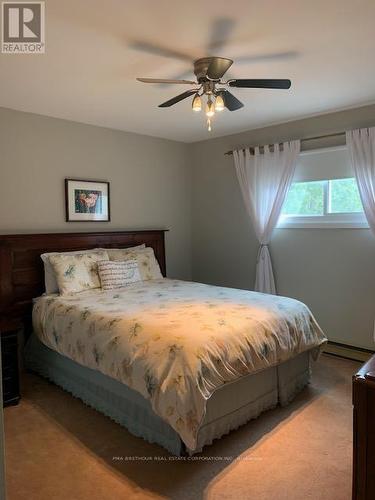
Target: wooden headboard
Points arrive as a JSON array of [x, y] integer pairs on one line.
[[21, 268]]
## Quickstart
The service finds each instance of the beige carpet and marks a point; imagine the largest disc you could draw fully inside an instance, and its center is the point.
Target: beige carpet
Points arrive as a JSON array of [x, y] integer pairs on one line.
[[59, 449]]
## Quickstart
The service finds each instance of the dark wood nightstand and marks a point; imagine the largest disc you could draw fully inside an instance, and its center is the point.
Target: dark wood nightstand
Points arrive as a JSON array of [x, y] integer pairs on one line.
[[364, 432], [9, 329]]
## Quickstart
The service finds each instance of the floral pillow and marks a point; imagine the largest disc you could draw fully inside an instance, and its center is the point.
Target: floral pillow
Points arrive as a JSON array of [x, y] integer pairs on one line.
[[147, 263], [113, 252], [49, 274], [79, 272]]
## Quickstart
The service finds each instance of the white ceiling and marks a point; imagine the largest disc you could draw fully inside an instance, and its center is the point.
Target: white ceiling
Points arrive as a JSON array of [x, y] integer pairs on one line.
[[326, 47]]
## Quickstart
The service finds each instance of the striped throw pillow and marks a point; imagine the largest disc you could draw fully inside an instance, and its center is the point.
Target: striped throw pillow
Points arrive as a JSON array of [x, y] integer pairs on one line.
[[118, 274]]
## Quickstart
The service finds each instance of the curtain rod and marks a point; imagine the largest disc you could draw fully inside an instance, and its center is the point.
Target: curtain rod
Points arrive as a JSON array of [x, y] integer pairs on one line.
[[315, 138]]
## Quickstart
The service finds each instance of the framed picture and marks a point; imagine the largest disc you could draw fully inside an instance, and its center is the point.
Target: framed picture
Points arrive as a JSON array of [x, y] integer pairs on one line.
[[86, 200]]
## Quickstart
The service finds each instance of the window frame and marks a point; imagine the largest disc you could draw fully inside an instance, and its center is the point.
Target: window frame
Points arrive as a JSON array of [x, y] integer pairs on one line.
[[328, 220]]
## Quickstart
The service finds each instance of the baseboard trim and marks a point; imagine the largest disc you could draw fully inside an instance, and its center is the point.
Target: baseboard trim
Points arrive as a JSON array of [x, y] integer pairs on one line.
[[348, 351]]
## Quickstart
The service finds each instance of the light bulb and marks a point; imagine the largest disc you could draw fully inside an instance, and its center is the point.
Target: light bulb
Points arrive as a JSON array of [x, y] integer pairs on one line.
[[210, 108], [219, 103], [197, 103], [209, 125]]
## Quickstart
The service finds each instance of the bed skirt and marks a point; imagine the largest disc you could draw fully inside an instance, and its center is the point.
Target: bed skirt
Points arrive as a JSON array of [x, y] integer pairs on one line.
[[229, 407]]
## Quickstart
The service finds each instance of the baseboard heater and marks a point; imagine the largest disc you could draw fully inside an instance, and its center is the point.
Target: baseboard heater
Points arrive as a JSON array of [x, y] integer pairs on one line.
[[348, 351]]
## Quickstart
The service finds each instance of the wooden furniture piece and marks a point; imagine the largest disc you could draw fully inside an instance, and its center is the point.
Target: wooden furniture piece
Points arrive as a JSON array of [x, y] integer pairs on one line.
[[21, 268], [364, 432], [9, 361]]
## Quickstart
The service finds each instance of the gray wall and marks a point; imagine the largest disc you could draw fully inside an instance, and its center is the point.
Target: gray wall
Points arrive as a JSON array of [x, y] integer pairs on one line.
[[332, 270], [150, 180]]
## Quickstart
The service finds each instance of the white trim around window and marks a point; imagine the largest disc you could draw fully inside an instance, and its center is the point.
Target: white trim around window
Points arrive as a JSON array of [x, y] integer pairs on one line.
[[327, 221]]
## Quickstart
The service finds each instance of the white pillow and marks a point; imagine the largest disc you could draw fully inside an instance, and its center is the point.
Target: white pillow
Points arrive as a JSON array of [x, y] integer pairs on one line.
[[49, 273], [118, 274], [77, 273]]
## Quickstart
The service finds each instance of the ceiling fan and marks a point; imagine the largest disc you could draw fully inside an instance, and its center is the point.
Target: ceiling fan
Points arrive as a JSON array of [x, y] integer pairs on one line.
[[209, 72]]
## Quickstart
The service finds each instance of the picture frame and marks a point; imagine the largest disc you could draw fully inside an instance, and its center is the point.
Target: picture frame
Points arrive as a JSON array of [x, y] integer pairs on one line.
[[87, 200]]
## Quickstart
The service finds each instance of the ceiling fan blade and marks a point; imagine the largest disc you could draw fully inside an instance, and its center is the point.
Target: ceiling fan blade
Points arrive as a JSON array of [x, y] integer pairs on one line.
[[260, 83], [218, 67], [161, 80], [157, 50], [222, 29], [276, 56], [230, 101], [178, 98], [183, 75]]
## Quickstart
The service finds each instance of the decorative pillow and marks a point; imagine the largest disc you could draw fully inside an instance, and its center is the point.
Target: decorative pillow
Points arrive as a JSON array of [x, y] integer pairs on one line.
[[147, 263], [118, 274], [49, 273], [123, 251], [76, 273]]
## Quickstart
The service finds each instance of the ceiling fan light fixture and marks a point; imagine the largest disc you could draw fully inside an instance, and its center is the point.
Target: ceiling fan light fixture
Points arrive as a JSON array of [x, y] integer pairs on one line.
[[210, 108], [197, 103], [219, 103], [209, 72]]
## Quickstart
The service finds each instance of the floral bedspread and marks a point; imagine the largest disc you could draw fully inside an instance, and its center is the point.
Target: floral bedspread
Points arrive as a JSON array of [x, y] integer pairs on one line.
[[176, 342]]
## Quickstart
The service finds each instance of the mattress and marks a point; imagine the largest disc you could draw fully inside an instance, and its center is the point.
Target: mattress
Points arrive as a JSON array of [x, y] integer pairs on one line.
[[175, 342]]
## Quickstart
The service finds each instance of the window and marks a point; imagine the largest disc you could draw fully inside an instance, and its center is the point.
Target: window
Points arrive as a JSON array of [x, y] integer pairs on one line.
[[334, 202], [323, 202], [305, 198], [343, 196]]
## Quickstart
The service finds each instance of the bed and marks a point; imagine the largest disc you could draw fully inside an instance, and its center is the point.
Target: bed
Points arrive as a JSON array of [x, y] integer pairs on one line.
[[177, 363]]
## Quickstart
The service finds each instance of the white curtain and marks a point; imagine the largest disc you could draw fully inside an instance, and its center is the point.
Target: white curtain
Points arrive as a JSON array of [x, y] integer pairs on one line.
[[264, 180], [361, 146]]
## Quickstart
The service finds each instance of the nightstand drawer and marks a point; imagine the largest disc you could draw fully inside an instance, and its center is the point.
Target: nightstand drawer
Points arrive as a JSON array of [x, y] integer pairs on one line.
[[9, 371], [8, 349], [10, 386], [9, 338], [9, 361], [11, 393]]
